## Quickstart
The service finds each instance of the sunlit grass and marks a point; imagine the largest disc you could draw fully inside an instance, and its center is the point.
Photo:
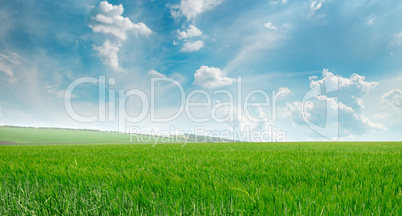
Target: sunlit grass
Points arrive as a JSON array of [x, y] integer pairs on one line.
[[266, 179]]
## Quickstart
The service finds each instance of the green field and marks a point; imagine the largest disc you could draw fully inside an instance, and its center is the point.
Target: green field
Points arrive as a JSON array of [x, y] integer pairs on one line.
[[35, 136], [53, 136], [202, 179]]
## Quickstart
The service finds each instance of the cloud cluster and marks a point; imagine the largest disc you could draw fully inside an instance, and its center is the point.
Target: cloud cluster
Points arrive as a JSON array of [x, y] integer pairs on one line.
[[256, 118], [190, 32], [192, 8], [211, 77], [316, 5], [269, 25], [253, 121], [108, 54], [187, 35], [394, 97], [107, 19], [276, 2], [350, 89], [7, 63], [398, 36], [349, 107], [192, 46]]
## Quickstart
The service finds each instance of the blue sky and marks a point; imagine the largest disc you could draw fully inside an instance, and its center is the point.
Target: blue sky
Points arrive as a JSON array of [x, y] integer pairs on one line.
[[206, 45]]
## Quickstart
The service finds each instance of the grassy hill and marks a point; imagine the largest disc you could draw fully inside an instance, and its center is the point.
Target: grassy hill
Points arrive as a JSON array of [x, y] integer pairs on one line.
[[30, 135]]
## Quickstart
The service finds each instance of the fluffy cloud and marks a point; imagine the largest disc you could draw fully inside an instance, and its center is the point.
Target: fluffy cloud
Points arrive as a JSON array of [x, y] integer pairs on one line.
[[192, 46], [350, 89], [7, 64], [315, 110], [276, 2], [107, 19], [314, 6], [371, 21], [284, 91], [191, 31], [211, 77], [394, 97], [269, 25], [192, 8], [348, 111], [108, 54]]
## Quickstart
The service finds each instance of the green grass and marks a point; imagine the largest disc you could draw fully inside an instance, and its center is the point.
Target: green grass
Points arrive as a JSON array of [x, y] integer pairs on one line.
[[202, 179], [29, 135], [49, 135]]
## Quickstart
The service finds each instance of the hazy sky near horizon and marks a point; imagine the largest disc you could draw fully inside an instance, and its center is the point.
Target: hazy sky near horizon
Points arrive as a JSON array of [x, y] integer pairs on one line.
[[207, 46]]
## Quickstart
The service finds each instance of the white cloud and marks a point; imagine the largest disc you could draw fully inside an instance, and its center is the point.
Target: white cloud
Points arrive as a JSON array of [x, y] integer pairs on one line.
[[399, 35], [108, 54], [107, 18], [276, 2], [371, 21], [285, 91], [156, 74], [0, 112], [255, 120], [314, 6], [356, 82], [351, 122], [351, 88], [394, 97], [191, 31], [350, 108], [269, 25], [211, 77], [192, 46], [7, 63], [192, 8], [5, 67], [396, 40]]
